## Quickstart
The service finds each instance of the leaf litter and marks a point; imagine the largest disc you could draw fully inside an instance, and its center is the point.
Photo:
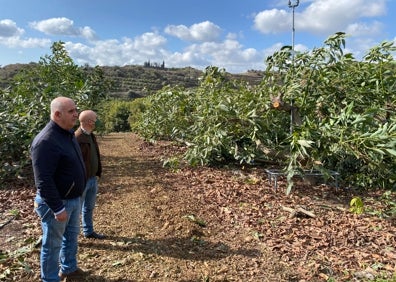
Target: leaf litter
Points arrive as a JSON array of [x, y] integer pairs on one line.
[[205, 224]]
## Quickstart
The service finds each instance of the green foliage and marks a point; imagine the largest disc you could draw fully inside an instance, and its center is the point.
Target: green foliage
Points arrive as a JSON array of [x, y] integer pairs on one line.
[[337, 114], [356, 205], [137, 107], [222, 120], [172, 163], [390, 199], [24, 106], [345, 107], [119, 116], [225, 120], [164, 115], [16, 260], [95, 90]]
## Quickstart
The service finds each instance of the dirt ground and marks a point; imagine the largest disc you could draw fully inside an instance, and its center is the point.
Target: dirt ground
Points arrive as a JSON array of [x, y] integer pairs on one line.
[[206, 224]]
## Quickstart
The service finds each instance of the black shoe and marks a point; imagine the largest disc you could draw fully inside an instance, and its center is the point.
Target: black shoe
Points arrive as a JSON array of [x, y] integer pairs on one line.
[[95, 235], [78, 274]]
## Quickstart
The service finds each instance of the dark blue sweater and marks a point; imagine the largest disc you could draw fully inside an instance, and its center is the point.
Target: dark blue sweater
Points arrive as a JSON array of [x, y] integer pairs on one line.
[[58, 167]]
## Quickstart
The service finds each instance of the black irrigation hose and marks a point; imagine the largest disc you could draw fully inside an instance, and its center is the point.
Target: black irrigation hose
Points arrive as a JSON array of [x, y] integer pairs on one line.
[[8, 221]]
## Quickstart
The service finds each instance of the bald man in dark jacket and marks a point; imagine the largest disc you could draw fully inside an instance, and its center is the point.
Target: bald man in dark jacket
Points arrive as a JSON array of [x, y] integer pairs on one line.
[[59, 175]]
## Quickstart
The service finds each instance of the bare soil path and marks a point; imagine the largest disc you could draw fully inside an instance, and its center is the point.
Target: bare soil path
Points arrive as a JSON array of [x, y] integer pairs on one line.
[[152, 218], [206, 224]]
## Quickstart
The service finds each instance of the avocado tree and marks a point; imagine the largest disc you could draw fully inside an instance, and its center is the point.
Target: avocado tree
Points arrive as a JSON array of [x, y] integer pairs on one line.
[[319, 110], [24, 106]]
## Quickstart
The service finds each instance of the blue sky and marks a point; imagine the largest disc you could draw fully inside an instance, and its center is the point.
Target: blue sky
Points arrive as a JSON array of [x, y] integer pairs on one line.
[[234, 35]]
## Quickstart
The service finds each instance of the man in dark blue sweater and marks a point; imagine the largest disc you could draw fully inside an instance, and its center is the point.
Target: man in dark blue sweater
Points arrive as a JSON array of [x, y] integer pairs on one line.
[[59, 175]]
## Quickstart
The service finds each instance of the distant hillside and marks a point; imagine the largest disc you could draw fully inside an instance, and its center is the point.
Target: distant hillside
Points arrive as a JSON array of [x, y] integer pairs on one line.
[[138, 81]]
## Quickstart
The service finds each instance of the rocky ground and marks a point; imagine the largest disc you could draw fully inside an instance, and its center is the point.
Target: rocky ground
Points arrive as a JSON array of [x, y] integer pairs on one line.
[[177, 223]]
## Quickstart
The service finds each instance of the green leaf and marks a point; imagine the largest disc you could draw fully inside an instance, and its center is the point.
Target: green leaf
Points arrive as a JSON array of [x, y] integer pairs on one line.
[[305, 143], [378, 151], [391, 151]]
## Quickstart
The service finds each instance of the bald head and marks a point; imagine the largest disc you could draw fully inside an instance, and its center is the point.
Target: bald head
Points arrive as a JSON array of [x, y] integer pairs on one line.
[[59, 104], [87, 115], [64, 112], [87, 120]]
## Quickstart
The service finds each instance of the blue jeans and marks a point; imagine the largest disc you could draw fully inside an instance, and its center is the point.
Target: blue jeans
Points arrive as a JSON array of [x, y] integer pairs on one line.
[[88, 205], [59, 242]]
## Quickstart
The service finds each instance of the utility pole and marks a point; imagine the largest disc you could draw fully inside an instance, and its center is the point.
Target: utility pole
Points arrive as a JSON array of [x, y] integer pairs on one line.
[[292, 5]]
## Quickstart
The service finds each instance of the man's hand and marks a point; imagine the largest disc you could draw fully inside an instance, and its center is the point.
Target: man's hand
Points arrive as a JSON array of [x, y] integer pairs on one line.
[[61, 216]]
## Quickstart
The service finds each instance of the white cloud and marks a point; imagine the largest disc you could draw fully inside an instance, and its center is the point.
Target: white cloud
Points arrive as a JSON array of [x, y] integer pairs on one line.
[[149, 40], [272, 21], [88, 33], [201, 32], [32, 43], [16, 42], [206, 43], [10, 35], [301, 48], [325, 17], [364, 29], [148, 46], [272, 49], [63, 26], [322, 16], [190, 57], [359, 19], [8, 28], [55, 26], [229, 54]]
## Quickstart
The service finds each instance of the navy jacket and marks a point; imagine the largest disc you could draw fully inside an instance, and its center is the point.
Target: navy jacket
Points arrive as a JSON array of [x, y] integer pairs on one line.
[[58, 167]]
